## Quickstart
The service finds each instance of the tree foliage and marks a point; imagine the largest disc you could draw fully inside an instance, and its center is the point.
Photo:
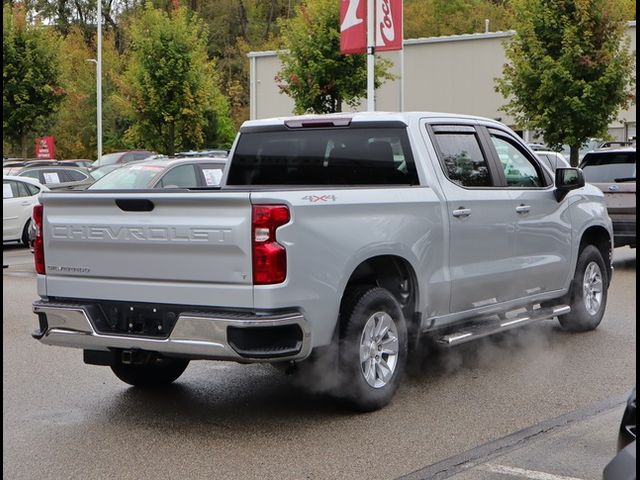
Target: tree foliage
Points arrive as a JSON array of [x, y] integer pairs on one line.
[[429, 18], [570, 69], [31, 89], [314, 72], [172, 85]]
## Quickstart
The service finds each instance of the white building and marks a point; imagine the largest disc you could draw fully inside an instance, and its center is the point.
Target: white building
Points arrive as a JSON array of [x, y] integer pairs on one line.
[[452, 74]]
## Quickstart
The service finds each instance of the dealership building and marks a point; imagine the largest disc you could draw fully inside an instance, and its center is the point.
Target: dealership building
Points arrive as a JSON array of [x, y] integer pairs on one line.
[[453, 74]]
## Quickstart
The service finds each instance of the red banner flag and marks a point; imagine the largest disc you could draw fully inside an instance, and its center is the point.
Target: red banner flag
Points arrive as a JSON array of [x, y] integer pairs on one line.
[[388, 25], [45, 148], [353, 26]]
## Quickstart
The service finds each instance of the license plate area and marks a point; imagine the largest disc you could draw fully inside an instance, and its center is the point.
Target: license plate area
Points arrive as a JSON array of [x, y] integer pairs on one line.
[[141, 319]]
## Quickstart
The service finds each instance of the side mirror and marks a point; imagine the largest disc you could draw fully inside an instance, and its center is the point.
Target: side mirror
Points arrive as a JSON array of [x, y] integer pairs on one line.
[[567, 179]]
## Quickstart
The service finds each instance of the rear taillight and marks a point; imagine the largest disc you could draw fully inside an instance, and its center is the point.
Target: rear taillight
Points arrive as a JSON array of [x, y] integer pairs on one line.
[[38, 244], [269, 257]]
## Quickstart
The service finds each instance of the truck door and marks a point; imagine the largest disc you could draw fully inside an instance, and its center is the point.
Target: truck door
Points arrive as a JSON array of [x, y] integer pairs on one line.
[[543, 226], [481, 220]]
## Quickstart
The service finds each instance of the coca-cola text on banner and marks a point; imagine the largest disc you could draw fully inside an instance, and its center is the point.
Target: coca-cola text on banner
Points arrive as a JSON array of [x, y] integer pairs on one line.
[[388, 25]]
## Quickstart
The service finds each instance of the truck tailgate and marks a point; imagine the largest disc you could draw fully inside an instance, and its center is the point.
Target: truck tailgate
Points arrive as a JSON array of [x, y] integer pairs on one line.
[[188, 248]]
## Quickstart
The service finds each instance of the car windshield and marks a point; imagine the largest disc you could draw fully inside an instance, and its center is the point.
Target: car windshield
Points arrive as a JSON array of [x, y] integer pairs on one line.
[[108, 159], [130, 176], [606, 167]]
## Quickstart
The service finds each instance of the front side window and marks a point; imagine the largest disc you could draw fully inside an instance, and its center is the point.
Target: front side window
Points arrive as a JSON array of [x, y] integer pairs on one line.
[[462, 157], [518, 169]]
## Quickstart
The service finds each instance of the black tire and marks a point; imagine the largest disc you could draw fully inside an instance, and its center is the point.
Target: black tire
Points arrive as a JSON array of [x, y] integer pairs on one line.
[[580, 319], [25, 233], [156, 372], [359, 307]]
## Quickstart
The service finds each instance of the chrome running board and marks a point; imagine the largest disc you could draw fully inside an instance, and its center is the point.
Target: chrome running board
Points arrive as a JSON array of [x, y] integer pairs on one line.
[[486, 327]]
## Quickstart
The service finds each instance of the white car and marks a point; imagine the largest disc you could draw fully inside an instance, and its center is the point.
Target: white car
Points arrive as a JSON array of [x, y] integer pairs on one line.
[[19, 195]]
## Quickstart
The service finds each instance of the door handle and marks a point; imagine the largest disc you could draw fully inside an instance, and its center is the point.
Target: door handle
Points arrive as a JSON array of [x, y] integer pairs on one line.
[[523, 208], [24, 204], [461, 212]]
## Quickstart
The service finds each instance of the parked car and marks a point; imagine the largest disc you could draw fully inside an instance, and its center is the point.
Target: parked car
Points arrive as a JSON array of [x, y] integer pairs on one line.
[[613, 170], [13, 166], [553, 159], [164, 173], [537, 147], [59, 177], [19, 195], [623, 465], [122, 157], [204, 153]]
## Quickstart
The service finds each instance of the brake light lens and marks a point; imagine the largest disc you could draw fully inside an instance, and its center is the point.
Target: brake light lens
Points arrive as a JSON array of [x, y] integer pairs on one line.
[[38, 245], [269, 257]]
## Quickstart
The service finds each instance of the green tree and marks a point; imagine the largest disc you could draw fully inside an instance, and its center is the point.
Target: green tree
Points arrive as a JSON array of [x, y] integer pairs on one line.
[[430, 18], [314, 72], [170, 83], [31, 89], [571, 70]]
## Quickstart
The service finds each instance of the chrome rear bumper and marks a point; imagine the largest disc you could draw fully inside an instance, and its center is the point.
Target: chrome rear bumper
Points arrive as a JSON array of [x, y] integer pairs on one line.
[[196, 335]]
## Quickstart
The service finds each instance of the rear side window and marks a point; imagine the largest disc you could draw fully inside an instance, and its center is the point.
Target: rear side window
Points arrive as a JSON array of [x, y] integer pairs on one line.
[[33, 190], [462, 158], [327, 156], [75, 176], [23, 191], [608, 167], [183, 176]]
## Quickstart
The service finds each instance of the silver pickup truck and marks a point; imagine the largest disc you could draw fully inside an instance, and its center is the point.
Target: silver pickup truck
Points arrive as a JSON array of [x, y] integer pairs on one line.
[[335, 244]]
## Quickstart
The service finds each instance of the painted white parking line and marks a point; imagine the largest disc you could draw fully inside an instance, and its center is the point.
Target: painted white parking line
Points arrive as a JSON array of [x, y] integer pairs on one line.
[[521, 472]]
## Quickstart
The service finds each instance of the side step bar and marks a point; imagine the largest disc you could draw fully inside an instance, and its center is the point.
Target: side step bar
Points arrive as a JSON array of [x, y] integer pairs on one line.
[[479, 330]]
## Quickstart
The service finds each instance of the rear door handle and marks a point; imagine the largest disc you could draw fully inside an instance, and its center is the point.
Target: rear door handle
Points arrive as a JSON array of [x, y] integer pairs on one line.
[[461, 212], [523, 208], [24, 204]]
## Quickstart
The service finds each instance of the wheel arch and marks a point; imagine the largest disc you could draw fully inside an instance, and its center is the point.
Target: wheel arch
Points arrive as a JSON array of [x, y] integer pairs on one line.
[[394, 273], [599, 237]]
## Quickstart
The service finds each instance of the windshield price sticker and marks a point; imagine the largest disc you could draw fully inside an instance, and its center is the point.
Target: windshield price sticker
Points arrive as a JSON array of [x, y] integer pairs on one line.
[[212, 176], [51, 177], [6, 190]]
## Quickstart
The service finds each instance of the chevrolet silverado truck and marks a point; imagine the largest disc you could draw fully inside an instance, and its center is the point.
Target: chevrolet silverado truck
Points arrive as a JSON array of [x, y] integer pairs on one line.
[[334, 241]]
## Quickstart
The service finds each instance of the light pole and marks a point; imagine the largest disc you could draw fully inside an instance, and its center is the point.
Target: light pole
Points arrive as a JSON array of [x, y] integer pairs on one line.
[[98, 107], [98, 63]]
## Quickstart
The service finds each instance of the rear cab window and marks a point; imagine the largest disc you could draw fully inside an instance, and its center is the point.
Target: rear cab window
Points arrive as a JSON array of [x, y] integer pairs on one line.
[[356, 155]]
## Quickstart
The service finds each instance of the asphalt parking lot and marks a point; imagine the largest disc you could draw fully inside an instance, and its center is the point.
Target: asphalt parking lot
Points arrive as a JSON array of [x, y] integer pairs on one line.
[[532, 403]]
